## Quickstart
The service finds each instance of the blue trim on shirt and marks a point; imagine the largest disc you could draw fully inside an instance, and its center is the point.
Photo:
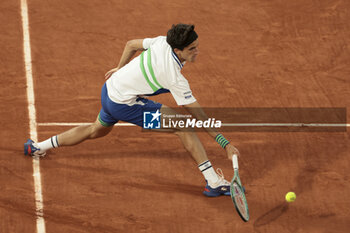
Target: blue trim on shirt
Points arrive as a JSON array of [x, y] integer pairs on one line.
[[177, 59], [159, 91]]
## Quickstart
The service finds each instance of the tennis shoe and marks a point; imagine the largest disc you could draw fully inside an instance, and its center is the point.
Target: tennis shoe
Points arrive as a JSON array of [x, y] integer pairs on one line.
[[221, 187], [32, 149]]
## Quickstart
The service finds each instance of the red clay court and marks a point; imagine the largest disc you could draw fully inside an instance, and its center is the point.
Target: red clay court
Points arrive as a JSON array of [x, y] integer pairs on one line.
[[271, 54]]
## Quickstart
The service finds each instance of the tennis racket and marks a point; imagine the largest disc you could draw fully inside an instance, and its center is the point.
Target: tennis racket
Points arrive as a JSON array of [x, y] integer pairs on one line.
[[237, 192]]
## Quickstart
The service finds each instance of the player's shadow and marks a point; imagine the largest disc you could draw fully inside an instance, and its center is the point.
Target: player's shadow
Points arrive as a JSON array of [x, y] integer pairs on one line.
[[271, 215]]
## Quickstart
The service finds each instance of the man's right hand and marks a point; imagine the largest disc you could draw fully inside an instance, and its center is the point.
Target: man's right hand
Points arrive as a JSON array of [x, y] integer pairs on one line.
[[230, 150], [109, 73]]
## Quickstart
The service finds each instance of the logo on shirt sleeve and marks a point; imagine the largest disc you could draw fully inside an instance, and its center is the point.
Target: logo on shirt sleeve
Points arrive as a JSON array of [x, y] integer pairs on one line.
[[188, 94]]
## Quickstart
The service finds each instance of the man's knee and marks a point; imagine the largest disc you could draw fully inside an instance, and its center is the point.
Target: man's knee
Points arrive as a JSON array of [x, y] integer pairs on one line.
[[97, 130]]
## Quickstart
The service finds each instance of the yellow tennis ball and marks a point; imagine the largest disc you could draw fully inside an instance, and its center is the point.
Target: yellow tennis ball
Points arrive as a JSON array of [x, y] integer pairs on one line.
[[290, 197]]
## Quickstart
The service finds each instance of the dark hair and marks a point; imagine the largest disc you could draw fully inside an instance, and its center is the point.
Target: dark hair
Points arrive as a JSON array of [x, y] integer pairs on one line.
[[181, 36]]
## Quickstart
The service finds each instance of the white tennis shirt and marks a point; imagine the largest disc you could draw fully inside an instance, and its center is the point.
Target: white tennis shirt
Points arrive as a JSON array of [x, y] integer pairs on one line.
[[154, 69]]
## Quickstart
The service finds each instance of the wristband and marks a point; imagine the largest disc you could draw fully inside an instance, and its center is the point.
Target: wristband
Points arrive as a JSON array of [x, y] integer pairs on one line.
[[221, 140]]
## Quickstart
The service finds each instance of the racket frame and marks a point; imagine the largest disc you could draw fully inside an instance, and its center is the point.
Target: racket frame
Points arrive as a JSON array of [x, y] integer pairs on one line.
[[236, 186]]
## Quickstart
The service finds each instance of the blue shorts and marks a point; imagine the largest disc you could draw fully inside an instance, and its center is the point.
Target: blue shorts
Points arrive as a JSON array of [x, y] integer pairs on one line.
[[112, 112]]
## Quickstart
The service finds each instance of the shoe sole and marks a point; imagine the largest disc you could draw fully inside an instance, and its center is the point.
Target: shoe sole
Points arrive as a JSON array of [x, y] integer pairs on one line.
[[209, 194]]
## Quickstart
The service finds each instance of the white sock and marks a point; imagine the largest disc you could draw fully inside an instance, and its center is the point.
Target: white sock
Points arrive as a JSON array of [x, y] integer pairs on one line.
[[49, 143], [208, 172]]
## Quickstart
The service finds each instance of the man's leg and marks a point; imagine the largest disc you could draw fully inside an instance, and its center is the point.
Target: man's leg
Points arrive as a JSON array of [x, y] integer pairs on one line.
[[81, 133], [216, 184], [188, 138], [193, 145], [70, 137]]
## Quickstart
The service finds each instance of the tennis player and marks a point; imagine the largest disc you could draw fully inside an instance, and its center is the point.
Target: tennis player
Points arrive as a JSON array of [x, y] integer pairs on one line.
[[156, 70]]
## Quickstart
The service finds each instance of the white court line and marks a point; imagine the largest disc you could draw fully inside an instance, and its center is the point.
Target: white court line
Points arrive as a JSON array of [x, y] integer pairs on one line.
[[77, 124], [285, 125], [223, 124], [40, 222]]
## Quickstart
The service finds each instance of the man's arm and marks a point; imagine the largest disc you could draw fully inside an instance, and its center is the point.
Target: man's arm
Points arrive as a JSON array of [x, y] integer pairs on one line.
[[196, 110], [131, 47]]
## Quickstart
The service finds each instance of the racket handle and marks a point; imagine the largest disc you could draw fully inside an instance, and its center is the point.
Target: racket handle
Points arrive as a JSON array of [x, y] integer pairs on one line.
[[235, 162]]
